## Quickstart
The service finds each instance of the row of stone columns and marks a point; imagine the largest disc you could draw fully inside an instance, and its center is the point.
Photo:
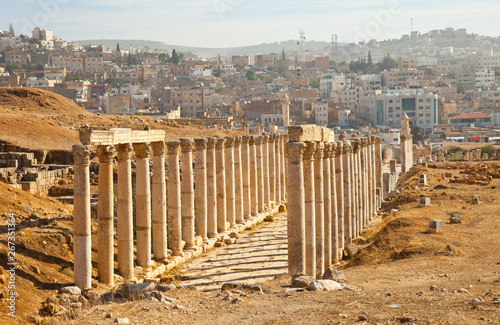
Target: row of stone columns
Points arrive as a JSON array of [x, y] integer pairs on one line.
[[332, 195], [233, 179]]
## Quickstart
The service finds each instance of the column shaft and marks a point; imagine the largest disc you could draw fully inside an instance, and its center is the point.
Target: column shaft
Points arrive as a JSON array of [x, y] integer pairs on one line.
[[200, 195], [211, 189], [277, 172], [159, 217], [221, 186], [245, 168], [310, 207], [238, 182], [187, 192], [254, 183], [265, 170], [327, 189], [174, 199], [272, 169], [339, 181], [334, 207], [230, 182], [260, 174]]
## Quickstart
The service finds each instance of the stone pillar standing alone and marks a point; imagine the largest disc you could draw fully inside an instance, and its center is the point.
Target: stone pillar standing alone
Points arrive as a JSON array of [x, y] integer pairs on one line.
[[238, 182], [230, 182], [211, 189], [319, 213], [159, 208], [174, 199], [143, 205], [125, 231], [187, 192], [82, 247], [310, 219], [296, 209], [200, 196], [245, 167], [221, 186], [105, 215]]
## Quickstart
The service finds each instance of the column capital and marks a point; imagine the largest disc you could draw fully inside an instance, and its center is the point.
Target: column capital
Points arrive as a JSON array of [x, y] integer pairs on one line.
[[259, 140], [220, 143], [251, 140], [329, 149], [346, 148], [342, 136], [237, 141], [245, 140], [173, 147], [295, 151], [158, 148], [211, 142], [81, 155], [309, 151], [106, 154], [356, 145], [319, 153], [265, 138], [201, 143], [124, 151], [229, 142], [142, 150], [187, 145]]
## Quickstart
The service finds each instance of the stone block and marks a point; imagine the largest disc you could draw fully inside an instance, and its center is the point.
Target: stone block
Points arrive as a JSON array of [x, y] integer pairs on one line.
[[435, 226], [425, 201], [302, 133], [351, 250]]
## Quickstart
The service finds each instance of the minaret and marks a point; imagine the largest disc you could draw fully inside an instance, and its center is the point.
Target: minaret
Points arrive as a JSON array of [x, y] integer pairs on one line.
[[285, 105], [405, 124]]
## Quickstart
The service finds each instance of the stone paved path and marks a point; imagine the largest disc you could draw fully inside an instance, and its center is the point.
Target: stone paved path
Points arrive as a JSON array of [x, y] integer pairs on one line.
[[258, 255]]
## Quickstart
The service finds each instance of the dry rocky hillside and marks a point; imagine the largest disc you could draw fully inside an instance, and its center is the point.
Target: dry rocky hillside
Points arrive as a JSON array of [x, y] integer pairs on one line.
[[402, 274]]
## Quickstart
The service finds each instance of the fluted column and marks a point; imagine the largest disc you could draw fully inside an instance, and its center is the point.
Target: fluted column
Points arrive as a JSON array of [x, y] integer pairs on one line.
[[124, 211], [272, 168], [265, 171], [335, 252], [200, 195], [174, 199], [296, 209], [277, 171], [260, 174], [221, 186], [187, 192], [254, 183], [105, 215], [245, 169], [159, 208], [310, 207], [211, 189], [143, 205], [230, 182], [327, 207], [82, 247], [339, 181], [348, 185], [238, 182]]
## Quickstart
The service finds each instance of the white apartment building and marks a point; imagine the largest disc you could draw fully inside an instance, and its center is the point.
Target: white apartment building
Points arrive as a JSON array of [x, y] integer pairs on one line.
[[330, 83], [320, 113], [484, 77]]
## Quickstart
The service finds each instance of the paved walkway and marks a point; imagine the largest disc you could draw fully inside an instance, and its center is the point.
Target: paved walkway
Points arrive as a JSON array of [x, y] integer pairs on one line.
[[257, 256]]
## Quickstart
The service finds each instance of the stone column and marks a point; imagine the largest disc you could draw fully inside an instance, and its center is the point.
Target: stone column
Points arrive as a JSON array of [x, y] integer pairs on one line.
[[159, 218], [339, 181], [284, 169], [404, 154], [82, 247], [230, 182], [327, 207], [211, 189], [296, 209], [319, 213], [363, 184], [105, 215], [348, 185], [272, 168], [355, 192], [245, 168], [238, 182], [174, 199], [221, 186], [187, 192], [254, 183], [200, 195], [260, 174], [124, 212], [277, 164], [143, 205], [310, 207], [265, 171], [334, 207], [378, 166]]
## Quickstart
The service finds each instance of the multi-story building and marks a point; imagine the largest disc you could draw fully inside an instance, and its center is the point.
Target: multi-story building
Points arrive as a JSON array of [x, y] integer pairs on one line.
[[400, 78], [320, 113], [405, 63], [330, 83], [267, 60], [484, 77], [93, 64]]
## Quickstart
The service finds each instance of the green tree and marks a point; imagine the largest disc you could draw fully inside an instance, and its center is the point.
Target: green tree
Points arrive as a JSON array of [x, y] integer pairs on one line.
[[163, 57], [417, 135], [251, 75], [129, 60], [175, 57], [388, 63], [370, 60], [316, 83], [283, 55], [118, 48], [12, 32], [489, 149]]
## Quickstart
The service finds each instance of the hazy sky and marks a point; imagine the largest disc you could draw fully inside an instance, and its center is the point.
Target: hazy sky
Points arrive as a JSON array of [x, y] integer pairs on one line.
[[228, 23]]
